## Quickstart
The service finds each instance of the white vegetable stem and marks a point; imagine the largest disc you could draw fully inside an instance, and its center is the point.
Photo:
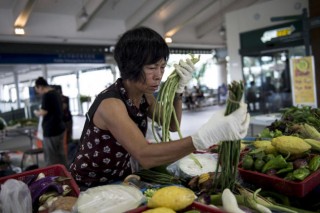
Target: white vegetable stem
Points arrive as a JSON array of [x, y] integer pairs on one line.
[[229, 202]]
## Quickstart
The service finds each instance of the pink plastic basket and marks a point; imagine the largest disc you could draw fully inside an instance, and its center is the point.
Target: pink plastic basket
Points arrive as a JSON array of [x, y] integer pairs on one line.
[[54, 170], [194, 206], [290, 188]]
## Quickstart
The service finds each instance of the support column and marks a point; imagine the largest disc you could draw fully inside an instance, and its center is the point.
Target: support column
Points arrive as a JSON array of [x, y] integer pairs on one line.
[[113, 71], [80, 110], [314, 6], [16, 82], [45, 72]]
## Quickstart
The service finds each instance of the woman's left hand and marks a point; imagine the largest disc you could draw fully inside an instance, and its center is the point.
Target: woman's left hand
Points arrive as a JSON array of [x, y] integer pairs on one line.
[[185, 71]]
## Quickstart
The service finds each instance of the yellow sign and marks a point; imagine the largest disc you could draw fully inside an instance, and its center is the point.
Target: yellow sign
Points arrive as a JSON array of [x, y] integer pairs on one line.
[[303, 81], [285, 31]]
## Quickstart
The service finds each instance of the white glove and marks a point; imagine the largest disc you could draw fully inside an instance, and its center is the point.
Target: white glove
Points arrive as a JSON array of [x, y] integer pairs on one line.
[[222, 128], [185, 71]]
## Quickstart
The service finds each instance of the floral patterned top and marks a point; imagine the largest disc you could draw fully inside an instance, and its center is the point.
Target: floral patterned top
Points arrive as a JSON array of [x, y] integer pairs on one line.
[[100, 159]]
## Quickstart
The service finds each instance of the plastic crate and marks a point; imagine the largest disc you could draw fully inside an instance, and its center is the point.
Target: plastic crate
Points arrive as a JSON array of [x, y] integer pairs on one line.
[[54, 170], [289, 188], [194, 206]]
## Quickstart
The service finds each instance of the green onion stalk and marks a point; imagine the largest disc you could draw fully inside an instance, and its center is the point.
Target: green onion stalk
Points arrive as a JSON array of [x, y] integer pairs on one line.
[[229, 151]]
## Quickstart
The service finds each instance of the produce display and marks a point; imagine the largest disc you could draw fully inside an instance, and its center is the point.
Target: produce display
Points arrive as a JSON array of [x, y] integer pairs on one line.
[[291, 163], [278, 171], [287, 162]]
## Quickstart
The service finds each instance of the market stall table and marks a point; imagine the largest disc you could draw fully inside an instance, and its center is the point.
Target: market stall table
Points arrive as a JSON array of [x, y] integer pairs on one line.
[[259, 122]]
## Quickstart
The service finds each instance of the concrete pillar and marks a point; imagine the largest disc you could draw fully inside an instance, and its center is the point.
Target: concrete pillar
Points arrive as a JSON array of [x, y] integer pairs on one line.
[[16, 82], [80, 110]]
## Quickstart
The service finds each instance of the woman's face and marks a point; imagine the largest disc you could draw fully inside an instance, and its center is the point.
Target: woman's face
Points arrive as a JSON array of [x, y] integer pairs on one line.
[[153, 75]]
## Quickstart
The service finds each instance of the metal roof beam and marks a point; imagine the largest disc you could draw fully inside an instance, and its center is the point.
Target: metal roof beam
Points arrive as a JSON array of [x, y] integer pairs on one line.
[[217, 19], [144, 12], [22, 11], [91, 8], [175, 24]]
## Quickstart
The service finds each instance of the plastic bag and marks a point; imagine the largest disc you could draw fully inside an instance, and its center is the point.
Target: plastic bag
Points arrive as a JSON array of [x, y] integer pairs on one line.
[[109, 198], [40, 130], [187, 168], [15, 197]]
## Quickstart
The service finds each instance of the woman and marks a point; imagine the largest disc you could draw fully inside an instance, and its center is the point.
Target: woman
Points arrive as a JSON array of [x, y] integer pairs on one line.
[[114, 134]]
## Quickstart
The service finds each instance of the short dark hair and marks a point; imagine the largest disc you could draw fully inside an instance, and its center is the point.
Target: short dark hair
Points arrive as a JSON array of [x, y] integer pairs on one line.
[[40, 81], [136, 48]]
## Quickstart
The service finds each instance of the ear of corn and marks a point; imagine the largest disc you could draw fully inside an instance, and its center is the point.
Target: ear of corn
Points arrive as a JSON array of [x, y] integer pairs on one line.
[[315, 144], [307, 131]]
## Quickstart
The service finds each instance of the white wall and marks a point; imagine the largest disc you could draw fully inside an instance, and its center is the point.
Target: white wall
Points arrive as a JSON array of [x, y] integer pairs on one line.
[[255, 17]]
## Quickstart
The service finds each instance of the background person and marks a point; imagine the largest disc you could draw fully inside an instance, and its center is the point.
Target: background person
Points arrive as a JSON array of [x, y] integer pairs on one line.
[[68, 121], [252, 96], [52, 124], [113, 139], [266, 95]]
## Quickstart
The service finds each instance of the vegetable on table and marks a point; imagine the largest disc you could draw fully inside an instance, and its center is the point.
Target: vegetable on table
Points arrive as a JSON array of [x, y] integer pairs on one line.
[[229, 151], [293, 117], [173, 197], [290, 144], [277, 163], [258, 164], [158, 177], [287, 169], [268, 147], [247, 162], [300, 163], [160, 210], [229, 202], [301, 173], [44, 184], [308, 131], [315, 144], [273, 206], [314, 163], [250, 199]]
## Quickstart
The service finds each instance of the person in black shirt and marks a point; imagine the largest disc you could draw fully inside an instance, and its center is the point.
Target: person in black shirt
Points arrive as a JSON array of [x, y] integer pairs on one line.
[[52, 124]]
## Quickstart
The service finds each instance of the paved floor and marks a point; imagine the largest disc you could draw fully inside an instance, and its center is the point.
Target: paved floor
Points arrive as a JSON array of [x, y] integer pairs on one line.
[[18, 142]]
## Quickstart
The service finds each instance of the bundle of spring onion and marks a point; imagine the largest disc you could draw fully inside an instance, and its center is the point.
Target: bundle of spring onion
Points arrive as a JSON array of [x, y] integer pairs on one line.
[[165, 107], [229, 151]]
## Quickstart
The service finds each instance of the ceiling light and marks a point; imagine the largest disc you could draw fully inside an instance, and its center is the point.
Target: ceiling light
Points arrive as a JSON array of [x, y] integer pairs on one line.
[[222, 31], [168, 40], [19, 31], [84, 15]]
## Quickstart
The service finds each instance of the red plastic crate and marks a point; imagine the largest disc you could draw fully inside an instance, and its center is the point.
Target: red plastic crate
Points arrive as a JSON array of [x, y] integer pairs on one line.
[[194, 206], [54, 170], [290, 188]]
